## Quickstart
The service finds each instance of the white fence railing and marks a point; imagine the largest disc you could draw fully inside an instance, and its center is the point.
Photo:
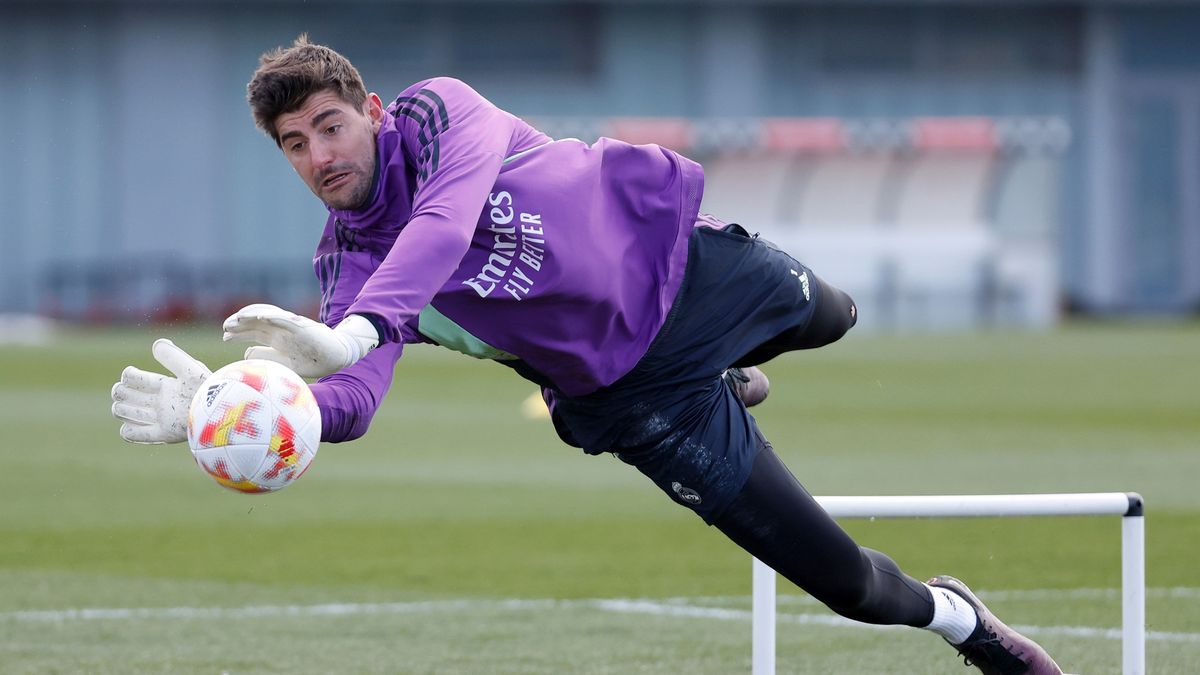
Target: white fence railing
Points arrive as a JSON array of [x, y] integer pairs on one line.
[[1133, 557]]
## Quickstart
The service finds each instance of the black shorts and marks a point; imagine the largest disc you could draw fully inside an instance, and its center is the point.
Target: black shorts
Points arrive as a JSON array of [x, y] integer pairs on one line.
[[742, 301]]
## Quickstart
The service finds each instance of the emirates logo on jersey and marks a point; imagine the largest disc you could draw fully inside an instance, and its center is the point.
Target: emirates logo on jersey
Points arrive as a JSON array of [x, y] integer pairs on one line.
[[517, 250]]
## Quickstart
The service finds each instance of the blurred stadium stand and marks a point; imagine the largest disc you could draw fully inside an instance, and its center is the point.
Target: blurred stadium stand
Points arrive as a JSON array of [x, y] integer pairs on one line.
[[912, 217], [961, 162]]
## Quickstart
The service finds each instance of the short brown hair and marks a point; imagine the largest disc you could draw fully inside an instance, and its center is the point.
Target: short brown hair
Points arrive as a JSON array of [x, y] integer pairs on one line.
[[286, 77]]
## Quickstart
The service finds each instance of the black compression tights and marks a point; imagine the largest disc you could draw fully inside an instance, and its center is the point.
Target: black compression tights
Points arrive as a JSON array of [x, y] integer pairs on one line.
[[833, 315], [775, 519]]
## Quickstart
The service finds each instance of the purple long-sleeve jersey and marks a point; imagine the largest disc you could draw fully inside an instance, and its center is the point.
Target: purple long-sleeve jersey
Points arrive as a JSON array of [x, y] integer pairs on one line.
[[485, 236]]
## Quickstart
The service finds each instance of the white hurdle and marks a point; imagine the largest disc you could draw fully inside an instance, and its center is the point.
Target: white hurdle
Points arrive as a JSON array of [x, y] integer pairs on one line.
[[1133, 554]]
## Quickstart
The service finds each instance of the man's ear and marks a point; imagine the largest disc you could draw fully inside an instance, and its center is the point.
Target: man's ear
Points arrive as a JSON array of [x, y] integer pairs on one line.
[[373, 109]]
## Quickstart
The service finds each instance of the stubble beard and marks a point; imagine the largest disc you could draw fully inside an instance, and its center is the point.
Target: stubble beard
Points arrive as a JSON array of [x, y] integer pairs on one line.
[[353, 196]]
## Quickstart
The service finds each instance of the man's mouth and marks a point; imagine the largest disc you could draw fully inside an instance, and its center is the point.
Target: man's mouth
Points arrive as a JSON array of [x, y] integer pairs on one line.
[[335, 181]]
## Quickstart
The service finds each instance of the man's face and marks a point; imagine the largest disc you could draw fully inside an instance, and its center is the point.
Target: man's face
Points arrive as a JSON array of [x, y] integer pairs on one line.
[[331, 145]]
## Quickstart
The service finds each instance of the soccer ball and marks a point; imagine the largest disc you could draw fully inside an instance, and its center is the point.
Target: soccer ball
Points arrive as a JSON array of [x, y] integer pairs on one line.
[[254, 426]]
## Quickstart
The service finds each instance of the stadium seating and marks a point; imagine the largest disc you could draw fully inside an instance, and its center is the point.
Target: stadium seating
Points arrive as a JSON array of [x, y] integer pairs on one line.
[[930, 223]]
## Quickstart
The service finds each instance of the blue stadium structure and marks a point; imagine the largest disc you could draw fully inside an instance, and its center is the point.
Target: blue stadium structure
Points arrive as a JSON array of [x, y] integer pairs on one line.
[[949, 162]]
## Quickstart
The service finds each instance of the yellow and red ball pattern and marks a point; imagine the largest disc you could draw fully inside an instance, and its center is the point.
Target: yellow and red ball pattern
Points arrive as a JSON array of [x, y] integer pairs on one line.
[[254, 426], [237, 418]]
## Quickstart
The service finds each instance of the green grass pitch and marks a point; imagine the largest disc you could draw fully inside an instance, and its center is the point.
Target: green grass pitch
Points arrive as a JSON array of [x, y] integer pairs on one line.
[[462, 537]]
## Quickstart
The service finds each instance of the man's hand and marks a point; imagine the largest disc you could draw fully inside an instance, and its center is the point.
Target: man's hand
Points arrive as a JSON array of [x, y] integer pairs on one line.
[[153, 408], [309, 348]]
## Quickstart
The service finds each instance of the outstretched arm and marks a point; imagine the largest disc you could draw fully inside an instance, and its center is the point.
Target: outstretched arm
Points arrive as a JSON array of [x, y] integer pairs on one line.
[[457, 141], [153, 407], [349, 398]]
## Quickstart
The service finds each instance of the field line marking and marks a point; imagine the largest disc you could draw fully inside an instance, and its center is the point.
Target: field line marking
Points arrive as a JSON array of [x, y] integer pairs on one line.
[[1153, 593], [677, 607], [251, 611], [1156, 592], [694, 611]]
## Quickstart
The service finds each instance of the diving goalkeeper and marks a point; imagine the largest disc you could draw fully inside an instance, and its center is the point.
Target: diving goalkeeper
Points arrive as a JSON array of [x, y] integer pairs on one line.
[[588, 270]]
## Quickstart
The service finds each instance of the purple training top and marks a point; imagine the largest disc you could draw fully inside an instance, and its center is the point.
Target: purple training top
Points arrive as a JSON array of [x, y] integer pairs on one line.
[[485, 236]]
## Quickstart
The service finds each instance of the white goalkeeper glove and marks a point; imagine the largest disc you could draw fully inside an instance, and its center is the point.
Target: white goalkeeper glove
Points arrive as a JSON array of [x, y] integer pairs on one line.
[[309, 348], [153, 408]]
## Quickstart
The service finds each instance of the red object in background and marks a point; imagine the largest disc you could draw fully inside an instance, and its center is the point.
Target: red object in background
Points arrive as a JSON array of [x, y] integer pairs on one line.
[[175, 310], [955, 133], [804, 134]]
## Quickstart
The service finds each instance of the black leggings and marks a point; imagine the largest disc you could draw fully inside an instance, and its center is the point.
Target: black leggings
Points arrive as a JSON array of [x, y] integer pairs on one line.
[[832, 316], [777, 521]]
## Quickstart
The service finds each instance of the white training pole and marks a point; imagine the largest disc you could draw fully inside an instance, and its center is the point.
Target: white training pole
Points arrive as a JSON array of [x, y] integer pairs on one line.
[[1133, 554], [763, 621], [977, 506], [1133, 592]]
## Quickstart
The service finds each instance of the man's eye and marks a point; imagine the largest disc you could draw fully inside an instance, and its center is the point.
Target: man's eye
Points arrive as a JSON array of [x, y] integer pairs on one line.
[[333, 129], [296, 147]]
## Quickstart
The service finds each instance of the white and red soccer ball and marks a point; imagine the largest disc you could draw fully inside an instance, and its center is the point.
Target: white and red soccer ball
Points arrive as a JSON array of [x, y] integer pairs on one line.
[[254, 426]]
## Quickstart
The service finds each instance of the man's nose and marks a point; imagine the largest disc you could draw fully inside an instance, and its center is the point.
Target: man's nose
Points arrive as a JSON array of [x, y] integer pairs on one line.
[[322, 154]]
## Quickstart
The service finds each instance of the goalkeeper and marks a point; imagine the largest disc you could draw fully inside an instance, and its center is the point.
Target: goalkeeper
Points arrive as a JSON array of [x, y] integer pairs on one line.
[[588, 270]]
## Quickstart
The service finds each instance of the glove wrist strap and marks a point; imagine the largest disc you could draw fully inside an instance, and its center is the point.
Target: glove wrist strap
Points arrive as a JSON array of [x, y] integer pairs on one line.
[[359, 336]]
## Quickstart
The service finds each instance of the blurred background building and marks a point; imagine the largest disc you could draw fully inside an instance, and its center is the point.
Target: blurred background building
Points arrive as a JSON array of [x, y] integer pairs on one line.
[[951, 163]]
